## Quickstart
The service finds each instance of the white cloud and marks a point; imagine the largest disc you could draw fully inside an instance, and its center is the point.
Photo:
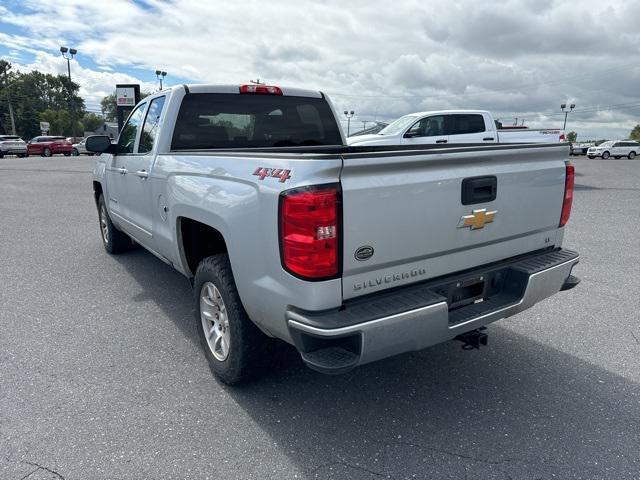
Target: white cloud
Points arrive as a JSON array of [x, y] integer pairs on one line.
[[94, 84], [514, 57]]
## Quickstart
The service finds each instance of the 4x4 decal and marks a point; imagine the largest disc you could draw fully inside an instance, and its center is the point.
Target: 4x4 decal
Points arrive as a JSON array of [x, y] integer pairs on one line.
[[262, 173]]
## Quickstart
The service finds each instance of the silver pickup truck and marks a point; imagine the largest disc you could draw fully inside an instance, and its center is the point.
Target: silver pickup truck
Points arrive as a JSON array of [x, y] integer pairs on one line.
[[351, 254]]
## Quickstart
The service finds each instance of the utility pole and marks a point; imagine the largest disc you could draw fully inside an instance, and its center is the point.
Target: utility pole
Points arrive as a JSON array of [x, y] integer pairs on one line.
[[68, 54], [349, 115], [7, 66]]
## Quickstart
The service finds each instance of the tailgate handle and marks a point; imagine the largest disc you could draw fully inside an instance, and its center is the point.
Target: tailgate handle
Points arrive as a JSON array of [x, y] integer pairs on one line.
[[479, 189]]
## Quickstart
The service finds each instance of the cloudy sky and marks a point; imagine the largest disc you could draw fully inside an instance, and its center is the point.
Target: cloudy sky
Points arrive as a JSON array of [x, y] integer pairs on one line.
[[517, 58]]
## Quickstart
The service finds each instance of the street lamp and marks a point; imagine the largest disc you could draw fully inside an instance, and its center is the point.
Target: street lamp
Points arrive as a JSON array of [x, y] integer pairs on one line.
[[68, 54], [160, 75], [566, 112], [349, 115]]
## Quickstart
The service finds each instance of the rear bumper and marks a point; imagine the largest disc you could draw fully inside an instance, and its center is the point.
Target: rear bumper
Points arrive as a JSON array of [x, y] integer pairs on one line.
[[13, 150], [415, 317]]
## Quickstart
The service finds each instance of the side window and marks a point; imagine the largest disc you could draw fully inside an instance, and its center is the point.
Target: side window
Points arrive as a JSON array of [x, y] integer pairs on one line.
[[127, 138], [427, 127], [150, 127], [466, 123]]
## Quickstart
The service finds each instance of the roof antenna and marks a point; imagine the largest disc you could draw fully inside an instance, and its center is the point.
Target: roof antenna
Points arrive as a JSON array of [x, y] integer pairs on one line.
[[257, 81]]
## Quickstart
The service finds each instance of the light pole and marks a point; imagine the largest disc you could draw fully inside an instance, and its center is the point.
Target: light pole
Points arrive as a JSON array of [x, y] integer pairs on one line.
[[349, 115], [566, 112], [68, 54], [160, 76]]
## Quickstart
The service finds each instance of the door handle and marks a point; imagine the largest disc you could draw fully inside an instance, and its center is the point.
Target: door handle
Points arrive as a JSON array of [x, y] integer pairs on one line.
[[122, 170], [441, 141], [488, 139], [142, 173]]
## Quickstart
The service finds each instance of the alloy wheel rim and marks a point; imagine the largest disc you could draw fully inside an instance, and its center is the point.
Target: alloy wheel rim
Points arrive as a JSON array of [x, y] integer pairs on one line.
[[215, 321], [103, 225]]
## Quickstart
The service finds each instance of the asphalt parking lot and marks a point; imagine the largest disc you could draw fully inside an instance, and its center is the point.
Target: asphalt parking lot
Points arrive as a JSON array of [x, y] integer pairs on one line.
[[102, 375]]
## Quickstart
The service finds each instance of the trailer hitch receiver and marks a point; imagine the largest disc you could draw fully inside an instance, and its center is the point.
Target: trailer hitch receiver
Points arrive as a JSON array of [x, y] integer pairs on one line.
[[473, 339]]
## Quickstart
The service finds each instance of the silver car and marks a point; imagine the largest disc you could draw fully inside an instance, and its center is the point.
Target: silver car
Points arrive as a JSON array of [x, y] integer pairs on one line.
[[80, 148], [12, 145]]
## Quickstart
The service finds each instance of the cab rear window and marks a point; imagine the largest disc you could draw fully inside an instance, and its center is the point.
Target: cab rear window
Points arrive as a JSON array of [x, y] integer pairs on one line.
[[223, 120]]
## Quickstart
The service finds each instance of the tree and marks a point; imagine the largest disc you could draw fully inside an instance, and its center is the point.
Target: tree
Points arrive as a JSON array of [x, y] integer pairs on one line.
[[33, 94], [572, 137], [91, 122], [109, 106], [635, 133]]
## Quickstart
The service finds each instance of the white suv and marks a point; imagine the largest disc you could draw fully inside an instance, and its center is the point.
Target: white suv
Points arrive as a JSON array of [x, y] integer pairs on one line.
[[622, 148]]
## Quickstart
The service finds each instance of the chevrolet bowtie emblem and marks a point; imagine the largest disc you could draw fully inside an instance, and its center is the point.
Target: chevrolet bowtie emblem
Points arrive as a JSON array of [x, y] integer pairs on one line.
[[478, 219]]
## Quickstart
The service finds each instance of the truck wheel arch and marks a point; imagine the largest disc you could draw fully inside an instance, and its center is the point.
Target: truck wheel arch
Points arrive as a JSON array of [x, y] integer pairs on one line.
[[97, 191], [197, 241]]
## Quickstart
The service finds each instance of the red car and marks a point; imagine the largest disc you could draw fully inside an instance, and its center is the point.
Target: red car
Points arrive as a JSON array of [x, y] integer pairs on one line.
[[47, 146]]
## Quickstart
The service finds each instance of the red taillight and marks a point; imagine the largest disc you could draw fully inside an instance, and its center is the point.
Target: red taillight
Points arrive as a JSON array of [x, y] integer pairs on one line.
[[261, 89], [309, 232], [562, 138], [568, 195]]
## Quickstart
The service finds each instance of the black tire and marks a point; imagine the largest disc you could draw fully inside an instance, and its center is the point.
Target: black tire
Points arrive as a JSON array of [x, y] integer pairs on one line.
[[75, 152], [591, 157], [605, 155], [46, 152], [114, 240], [248, 347], [1, 155], [631, 155], [22, 155], [67, 154]]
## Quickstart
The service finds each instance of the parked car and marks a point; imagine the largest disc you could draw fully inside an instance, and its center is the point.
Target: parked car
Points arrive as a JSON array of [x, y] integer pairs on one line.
[[350, 256], [12, 145], [615, 149], [580, 148], [80, 148], [49, 145], [454, 126]]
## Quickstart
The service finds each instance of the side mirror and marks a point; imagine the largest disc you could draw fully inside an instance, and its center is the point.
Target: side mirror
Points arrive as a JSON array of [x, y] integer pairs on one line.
[[99, 144], [411, 134]]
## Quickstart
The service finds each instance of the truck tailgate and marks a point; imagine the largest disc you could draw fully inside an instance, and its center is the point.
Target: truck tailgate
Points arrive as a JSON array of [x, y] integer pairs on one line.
[[404, 219]]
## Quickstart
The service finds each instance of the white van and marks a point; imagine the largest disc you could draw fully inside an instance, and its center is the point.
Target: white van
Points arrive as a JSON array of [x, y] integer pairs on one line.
[[617, 149]]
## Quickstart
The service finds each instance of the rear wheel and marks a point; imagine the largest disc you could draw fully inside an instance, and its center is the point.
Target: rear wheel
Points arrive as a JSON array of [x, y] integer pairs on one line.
[[631, 155], [605, 155], [1, 155], [22, 155], [46, 152], [592, 157], [114, 240], [66, 154], [235, 348]]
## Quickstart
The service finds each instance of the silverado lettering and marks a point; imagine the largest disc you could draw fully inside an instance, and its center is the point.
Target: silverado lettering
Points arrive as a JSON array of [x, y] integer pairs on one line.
[[396, 277]]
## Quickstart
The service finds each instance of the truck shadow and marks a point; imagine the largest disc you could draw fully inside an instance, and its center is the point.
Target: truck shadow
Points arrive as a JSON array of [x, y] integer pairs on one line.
[[517, 409]]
